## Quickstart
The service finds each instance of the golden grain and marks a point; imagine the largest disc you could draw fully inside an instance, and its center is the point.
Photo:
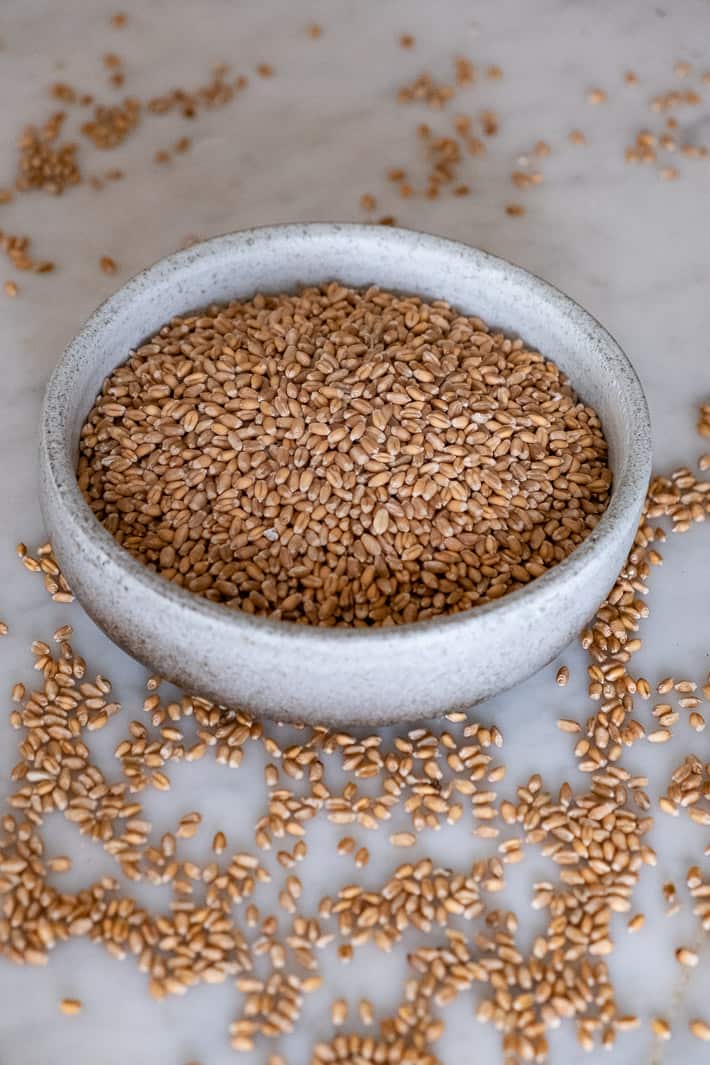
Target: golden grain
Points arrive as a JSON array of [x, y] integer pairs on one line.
[[366, 1011], [700, 1029], [339, 1011], [70, 1006], [660, 1028], [361, 857], [403, 839]]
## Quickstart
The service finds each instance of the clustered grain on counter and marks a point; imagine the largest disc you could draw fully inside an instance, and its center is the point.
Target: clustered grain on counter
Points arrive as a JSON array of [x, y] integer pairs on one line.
[[446, 150], [343, 457], [419, 780], [50, 165]]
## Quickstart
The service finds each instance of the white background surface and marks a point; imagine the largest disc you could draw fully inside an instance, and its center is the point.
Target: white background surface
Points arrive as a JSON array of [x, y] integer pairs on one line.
[[305, 145]]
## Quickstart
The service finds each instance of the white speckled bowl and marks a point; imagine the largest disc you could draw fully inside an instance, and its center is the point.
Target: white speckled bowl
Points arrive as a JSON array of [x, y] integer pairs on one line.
[[341, 676]]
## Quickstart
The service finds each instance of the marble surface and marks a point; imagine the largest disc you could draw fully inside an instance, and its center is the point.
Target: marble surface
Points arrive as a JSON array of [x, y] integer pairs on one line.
[[305, 145]]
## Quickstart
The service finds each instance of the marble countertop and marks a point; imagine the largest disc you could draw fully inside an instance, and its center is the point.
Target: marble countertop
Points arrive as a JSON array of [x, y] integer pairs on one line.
[[305, 144]]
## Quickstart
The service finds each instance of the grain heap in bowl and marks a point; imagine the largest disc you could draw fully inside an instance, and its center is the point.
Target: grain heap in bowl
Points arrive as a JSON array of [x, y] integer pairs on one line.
[[343, 457]]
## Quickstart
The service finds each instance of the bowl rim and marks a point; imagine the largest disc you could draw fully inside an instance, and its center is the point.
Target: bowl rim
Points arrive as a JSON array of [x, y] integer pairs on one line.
[[627, 491]]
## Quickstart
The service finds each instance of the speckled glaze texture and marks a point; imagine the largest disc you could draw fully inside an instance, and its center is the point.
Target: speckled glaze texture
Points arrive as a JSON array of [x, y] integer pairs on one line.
[[341, 676]]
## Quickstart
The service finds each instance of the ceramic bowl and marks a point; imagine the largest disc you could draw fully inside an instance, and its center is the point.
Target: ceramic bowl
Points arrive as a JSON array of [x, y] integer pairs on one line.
[[341, 676]]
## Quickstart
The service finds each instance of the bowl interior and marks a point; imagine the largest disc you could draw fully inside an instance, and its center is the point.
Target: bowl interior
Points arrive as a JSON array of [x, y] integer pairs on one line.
[[282, 258]]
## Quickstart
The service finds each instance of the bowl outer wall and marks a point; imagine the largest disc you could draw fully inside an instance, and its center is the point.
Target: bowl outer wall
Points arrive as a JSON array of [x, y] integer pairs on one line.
[[341, 676]]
